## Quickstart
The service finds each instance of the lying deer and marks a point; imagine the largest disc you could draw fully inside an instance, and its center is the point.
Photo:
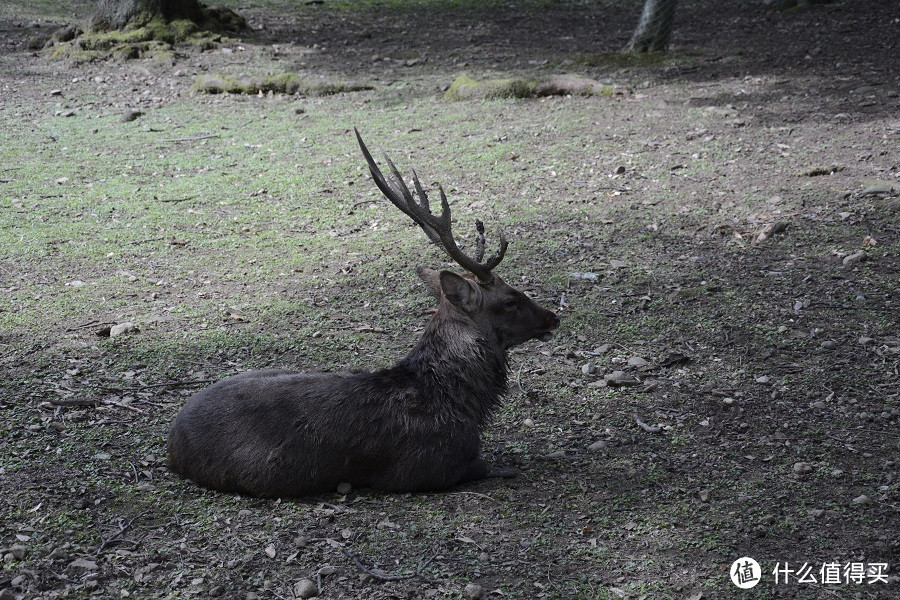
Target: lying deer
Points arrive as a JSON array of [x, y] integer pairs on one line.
[[412, 427]]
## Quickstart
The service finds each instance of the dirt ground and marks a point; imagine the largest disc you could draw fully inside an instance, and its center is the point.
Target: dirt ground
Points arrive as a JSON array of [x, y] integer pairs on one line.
[[721, 230]]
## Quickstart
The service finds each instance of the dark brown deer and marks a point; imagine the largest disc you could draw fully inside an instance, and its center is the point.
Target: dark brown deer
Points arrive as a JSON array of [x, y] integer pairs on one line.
[[415, 426]]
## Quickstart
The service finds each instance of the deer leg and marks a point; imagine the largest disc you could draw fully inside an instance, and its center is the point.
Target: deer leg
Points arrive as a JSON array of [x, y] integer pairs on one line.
[[481, 469]]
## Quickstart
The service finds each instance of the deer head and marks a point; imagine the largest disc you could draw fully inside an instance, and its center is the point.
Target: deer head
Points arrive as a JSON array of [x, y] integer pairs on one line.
[[500, 312]]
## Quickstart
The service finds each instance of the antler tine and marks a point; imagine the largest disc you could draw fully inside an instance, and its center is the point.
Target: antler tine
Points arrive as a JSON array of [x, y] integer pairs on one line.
[[438, 228]]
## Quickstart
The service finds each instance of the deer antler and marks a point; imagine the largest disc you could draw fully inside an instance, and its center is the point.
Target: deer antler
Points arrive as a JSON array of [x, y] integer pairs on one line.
[[437, 228]]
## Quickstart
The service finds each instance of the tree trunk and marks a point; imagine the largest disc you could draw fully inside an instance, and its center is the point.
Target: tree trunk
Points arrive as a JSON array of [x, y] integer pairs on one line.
[[115, 14], [655, 27]]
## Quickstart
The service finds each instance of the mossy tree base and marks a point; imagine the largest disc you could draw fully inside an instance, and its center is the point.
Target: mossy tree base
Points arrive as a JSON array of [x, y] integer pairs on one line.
[[145, 35]]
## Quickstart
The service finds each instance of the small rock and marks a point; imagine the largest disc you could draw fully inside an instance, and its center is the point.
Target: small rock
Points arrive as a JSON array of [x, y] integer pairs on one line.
[[802, 467], [528, 423], [602, 349], [597, 446], [484, 557], [557, 454], [18, 551], [763, 379], [344, 488], [8, 594], [620, 378], [83, 563], [130, 114], [58, 553], [828, 345], [856, 257], [327, 570], [728, 401], [56, 92], [270, 551], [121, 328], [865, 341], [637, 361], [862, 499], [474, 591], [618, 264], [588, 368], [585, 276], [305, 588], [704, 495], [217, 591], [815, 513]]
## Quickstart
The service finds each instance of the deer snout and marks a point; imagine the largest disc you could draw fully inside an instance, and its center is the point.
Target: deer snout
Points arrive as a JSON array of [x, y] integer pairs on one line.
[[552, 322]]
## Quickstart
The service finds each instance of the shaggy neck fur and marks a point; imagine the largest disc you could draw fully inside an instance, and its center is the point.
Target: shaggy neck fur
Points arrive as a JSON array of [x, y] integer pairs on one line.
[[460, 370]]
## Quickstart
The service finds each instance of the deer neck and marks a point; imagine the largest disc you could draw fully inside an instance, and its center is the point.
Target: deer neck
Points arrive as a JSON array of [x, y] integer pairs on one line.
[[462, 371]]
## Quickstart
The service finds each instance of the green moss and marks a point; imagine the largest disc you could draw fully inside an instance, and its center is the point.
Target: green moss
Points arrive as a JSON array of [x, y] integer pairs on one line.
[[466, 88], [280, 83]]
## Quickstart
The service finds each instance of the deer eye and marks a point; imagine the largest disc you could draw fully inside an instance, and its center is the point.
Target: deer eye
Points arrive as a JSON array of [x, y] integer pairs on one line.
[[510, 305]]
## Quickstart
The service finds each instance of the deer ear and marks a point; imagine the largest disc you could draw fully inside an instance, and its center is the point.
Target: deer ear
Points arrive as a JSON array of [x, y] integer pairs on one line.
[[459, 291], [432, 280]]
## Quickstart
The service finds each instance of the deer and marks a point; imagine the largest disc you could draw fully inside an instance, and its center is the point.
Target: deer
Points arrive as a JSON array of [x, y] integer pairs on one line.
[[413, 427]]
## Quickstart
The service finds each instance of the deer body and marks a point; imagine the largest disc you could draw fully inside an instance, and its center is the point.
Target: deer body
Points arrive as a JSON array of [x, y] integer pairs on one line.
[[415, 426]]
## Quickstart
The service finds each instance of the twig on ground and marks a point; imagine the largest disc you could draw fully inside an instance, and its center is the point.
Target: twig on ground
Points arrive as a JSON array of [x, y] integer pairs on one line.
[[190, 139], [125, 406], [90, 324], [473, 494], [370, 201], [644, 426], [122, 529], [519, 379], [72, 402], [138, 388], [375, 574], [176, 200]]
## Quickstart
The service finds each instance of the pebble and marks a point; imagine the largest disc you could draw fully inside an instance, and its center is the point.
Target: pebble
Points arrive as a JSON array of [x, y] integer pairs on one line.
[[856, 257], [637, 361], [728, 401], [18, 551], [865, 341], [121, 328], [484, 557], [344, 488], [588, 368], [474, 591], [862, 499], [528, 423], [7, 594], [620, 378], [829, 345], [217, 591], [802, 467], [305, 588], [598, 445]]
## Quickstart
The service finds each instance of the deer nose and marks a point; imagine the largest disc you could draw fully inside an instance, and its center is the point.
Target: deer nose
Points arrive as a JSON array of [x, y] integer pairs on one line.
[[554, 320]]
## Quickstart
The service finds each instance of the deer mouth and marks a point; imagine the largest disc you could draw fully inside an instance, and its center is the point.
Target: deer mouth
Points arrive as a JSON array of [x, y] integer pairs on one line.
[[545, 337]]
